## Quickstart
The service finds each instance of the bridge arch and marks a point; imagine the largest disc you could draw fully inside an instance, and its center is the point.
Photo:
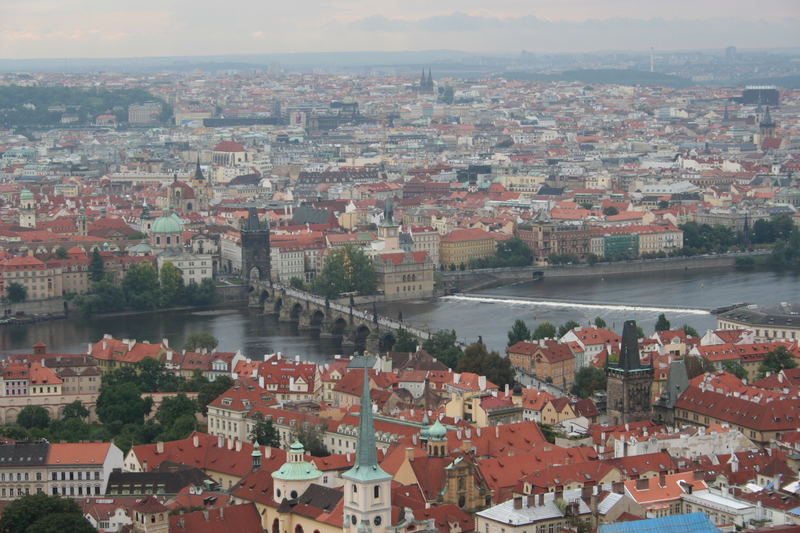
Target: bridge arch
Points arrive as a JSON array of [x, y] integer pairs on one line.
[[360, 337], [386, 342], [339, 326], [297, 310], [317, 318], [278, 305]]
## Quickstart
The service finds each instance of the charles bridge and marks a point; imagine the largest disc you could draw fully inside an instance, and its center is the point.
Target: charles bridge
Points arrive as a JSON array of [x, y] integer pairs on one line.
[[359, 329]]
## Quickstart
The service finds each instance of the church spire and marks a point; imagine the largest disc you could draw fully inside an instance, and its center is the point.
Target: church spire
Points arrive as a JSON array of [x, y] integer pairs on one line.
[[198, 173], [367, 454]]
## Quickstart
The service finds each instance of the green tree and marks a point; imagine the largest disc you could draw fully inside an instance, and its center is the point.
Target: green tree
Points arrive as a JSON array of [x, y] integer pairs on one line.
[[448, 95], [61, 522], [211, 390], [639, 331], [33, 416], [406, 342], [174, 407], [297, 283], [171, 285], [23, 513], [599, 322], [182, 427], [663, 204], [518, 332], [17, 293], [264, 432], [587, 380], [610, 211], [592, 259], [479, 360], [62, 253], [141, 286], [346, 269], [662, 324], [545, 330], [690, 331], [123, 403], [152, 376], [778, 359], [310, 436], [565, 328], [75, 410], [697, 365], [105, 296], [443, 346], [735, 368], [200, 340], [96, 266]]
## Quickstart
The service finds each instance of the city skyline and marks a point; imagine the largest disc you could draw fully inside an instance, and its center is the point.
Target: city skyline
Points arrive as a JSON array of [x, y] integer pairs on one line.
[[90, 29]]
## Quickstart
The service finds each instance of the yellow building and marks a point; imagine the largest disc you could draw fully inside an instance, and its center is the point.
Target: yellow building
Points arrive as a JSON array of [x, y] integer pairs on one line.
[[461, 246]]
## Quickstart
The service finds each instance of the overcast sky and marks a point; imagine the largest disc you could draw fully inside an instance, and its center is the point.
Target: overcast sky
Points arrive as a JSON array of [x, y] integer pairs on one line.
[[128, 28]]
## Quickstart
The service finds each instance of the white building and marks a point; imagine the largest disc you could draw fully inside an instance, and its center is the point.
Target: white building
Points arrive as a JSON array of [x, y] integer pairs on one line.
[[194, 267]]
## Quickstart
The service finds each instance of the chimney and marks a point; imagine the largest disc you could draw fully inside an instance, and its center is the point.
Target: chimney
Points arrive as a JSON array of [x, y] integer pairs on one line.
[[531, 500], [165, 342], [466, 445], [238, 445], [517, 502], [222, 514], [482, 382], [230, 444], [662, 480], [196, 441], [642, 484], [410, 453], [220, 441], [618, 487], [159, 447], [541, 499], [145, 466], [586, 492], [267, 452], [559, 494], [205, 515]]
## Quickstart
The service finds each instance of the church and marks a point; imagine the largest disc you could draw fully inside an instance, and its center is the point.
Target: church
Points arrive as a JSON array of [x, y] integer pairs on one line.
[[298, 497]]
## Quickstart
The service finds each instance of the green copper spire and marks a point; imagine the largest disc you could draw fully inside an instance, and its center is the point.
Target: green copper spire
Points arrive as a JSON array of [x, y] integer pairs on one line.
[[366, 467]]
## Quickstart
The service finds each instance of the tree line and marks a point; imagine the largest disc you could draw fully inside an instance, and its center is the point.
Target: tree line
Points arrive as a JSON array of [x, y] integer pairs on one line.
[[142, 289]]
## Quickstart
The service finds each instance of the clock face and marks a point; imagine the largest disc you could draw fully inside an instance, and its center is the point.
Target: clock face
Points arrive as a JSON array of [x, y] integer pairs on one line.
[[377, 520], [353, 519]]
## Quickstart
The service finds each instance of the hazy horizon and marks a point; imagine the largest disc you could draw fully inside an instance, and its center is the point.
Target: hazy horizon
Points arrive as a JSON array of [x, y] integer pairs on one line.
[[46, 29]]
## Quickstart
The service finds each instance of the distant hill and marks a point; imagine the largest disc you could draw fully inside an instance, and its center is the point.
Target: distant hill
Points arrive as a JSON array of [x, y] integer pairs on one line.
[[605, 77], [44, 106]]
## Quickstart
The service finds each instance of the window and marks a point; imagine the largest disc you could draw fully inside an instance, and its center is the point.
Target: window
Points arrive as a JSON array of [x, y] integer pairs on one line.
[[376, 493]]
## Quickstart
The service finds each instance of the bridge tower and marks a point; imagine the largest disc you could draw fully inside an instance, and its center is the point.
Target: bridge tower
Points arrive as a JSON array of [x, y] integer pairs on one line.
[[255, 247]]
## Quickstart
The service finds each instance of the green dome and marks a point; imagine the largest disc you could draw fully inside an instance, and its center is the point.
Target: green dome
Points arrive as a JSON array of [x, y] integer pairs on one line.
[[166, 224], [437, 431], [26, 195], [297, 470]]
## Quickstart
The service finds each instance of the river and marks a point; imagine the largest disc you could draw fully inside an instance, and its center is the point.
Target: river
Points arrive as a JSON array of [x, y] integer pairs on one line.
[[684, 297]]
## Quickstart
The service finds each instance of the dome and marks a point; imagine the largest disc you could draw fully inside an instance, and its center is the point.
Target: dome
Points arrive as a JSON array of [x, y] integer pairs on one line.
[[166, 224], [26, 195], [437, 431], [296, 468]]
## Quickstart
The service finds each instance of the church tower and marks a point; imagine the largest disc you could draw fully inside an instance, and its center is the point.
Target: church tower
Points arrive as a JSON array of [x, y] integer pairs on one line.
[[202, 188], [367, 488], [629, 385], [388, 231], [83, 224], [767, 125], [27, 209]]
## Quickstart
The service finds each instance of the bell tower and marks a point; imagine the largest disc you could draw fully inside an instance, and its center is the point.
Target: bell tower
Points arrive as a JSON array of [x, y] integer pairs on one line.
[[367, 487], [27, 209]]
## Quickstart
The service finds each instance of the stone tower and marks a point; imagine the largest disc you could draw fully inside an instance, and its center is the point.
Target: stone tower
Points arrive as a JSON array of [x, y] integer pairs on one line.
[[255, 247], [767, 125], [367, 487], [629, 383]]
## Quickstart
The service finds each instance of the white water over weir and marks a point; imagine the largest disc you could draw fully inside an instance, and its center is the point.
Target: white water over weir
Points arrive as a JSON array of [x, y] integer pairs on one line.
[[574, 305]]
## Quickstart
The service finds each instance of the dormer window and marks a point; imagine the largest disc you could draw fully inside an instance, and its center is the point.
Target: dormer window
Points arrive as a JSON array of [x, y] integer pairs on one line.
[[226, 401]]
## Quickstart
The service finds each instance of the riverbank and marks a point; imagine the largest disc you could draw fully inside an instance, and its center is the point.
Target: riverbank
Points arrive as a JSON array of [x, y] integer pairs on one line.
[[472, 280]]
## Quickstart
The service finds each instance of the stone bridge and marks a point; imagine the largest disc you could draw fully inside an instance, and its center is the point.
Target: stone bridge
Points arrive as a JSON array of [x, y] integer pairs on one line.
[[360, 330]]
